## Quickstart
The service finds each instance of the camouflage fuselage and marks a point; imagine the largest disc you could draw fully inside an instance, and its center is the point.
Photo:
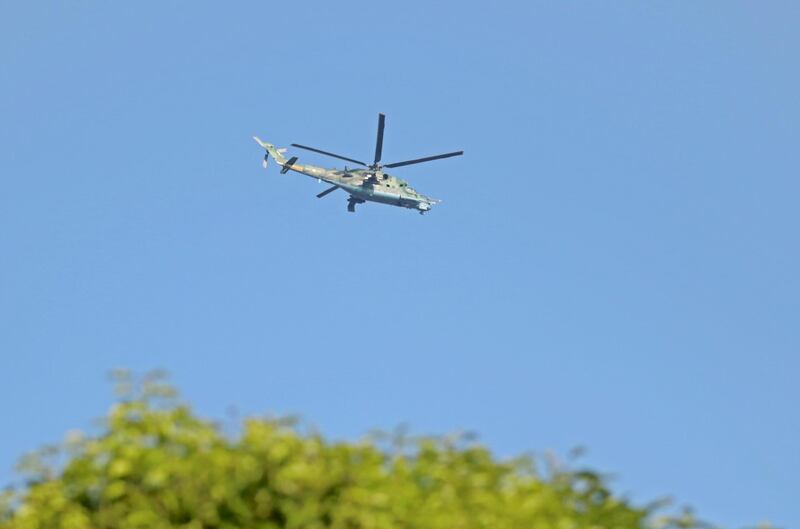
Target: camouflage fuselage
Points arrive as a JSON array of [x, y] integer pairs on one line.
[[361, 184]]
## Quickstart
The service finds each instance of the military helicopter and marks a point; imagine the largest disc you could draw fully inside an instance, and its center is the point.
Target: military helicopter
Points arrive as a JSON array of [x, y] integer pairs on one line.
[[371, 184]]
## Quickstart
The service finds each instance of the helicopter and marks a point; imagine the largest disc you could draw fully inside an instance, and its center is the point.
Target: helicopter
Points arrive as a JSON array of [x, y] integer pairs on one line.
[[370, 184]]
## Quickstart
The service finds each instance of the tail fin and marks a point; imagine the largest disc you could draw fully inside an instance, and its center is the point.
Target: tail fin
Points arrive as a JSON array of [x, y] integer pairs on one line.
[[277, 154]]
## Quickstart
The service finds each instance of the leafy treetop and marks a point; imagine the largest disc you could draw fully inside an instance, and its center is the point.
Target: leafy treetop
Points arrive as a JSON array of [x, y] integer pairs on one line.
[[156, 465]]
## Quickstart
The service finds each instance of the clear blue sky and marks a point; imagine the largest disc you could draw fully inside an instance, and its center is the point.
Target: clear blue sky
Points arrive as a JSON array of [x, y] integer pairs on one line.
[[614, 264]]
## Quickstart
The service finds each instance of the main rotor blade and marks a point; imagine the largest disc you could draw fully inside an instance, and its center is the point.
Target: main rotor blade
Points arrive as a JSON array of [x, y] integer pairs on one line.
[[379, 141], [426, 159], [328, 153], [329, 190]]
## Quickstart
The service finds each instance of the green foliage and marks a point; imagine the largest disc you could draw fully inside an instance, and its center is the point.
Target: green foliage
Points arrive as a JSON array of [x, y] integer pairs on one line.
[[157, 465]]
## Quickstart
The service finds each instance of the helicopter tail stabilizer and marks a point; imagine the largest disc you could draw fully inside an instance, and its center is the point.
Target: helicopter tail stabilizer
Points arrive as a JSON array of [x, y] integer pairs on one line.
[[276, 154], [289, 163]]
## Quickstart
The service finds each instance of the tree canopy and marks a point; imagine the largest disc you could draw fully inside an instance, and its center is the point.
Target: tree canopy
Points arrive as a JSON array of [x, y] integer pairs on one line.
[[155, 464]]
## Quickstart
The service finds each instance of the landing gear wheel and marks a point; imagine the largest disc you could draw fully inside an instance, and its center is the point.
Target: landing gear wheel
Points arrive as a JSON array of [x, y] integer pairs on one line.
[[351, 204]]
